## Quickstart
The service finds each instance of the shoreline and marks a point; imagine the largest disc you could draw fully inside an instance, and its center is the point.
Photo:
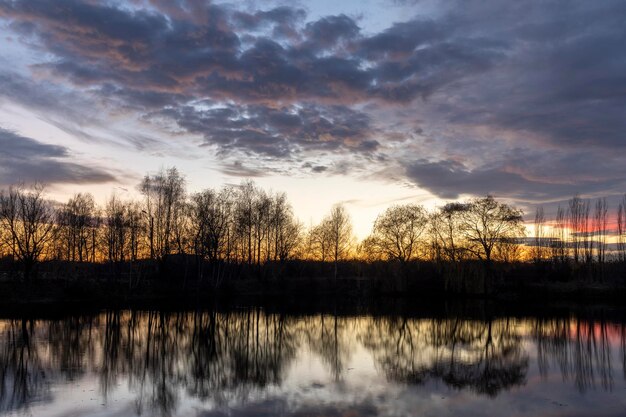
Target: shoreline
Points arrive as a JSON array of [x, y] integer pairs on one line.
[[300, 295]]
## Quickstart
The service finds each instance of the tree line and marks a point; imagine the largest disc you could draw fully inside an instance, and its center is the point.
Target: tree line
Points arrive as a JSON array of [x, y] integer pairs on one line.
[[246, 225]]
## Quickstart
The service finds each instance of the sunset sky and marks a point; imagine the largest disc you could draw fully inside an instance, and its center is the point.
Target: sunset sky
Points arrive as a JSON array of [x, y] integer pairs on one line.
[[366, 102]]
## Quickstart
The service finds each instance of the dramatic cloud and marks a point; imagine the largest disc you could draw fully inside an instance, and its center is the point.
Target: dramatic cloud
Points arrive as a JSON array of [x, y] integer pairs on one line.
[[99, 44], [521, 99], [449, 180], [27, 160], [211, 52], [277, 132]]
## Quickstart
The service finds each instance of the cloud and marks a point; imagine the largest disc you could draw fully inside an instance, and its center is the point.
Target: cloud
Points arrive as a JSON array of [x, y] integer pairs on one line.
[[523, 100], [237, 169], [282, 20], [172, 51], [26, 160], [558, 82], [328, 31], [449, 179], [277, 132]]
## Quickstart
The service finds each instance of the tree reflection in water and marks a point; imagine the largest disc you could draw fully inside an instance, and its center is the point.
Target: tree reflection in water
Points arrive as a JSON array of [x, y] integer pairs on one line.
[[580, 349], [483, 356], [22, 371], [331, 338], [223, 358]]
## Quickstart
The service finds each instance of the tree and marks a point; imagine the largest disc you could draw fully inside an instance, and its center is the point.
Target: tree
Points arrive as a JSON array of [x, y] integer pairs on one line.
[[558, 236], [116, 226], [444, 227], [135, 228], [29, 220], [211, 219], [600, 220], [78, 222], [261, 211], [164, 195], [539, 226], [487, 223], [286, 230], [508, 250], [578, 219], [621, 230], [338, 227], [244, 219], [288, 239], [397, 231], [319, 242]]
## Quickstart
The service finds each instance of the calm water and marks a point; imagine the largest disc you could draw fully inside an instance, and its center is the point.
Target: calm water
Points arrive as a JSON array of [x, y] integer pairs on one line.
[[250, 363]]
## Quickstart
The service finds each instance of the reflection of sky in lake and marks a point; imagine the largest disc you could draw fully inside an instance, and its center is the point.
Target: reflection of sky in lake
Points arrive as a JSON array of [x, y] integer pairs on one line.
[[247, 364]]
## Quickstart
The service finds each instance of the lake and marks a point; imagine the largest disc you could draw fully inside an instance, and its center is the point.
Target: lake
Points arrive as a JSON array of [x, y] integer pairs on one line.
[[257, 362]]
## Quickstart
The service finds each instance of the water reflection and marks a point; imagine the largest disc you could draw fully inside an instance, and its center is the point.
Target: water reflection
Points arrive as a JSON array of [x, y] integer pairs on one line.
[[22, 370], [580, 349], [225, 360], [485, 357]]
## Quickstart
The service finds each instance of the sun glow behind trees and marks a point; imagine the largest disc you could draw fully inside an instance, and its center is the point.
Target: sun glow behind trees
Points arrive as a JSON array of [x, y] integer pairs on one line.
[[245, 224]]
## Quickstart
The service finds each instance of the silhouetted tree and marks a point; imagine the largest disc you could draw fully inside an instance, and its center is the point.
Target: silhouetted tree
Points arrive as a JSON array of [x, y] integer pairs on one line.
[[29, 220], [539, 241], [558, 247], [487, 223], [397, 231], [286, 230], [621, 230], [78, 224], [445, 226], [261, 213], [244, 219], [136, 228], [578, 221], [211, 224], [164, 195], [116, 225], [319, 242], [211, 215], [600, 224], [338, 227]]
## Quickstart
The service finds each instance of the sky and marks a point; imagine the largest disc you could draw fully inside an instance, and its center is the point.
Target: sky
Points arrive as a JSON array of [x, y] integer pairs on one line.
[[369, 103]]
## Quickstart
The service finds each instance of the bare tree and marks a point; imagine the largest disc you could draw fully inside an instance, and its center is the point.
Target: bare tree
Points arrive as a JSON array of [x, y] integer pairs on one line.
[[487, 223], [286, 230], [244, 219], [621, 230], [211, 218], [164, 195], [600, 224], [397, 231], [508, 250], [578, 219], [557, 247], [445, 229], [262, 208], [116, 226], [539, 226], [78, 224], [29, 220], [339, 229], [587, 233], [136, 229], [319, 242]]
